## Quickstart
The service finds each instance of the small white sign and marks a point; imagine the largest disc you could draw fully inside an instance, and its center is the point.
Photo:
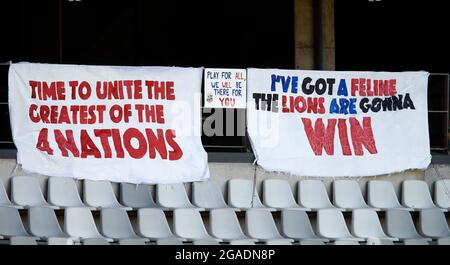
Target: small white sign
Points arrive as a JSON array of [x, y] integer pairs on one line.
[[225, 88]]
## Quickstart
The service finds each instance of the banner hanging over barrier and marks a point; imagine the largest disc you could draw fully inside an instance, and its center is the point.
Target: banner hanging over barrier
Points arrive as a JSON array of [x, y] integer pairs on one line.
[[123, 124], [338, 124]]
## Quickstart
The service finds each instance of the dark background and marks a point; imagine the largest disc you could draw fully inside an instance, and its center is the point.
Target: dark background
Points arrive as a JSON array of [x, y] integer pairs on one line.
[[391, 35]]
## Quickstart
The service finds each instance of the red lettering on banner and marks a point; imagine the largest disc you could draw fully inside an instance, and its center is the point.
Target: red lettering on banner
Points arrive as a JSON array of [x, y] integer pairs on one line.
[[318, 137], [362, 136], [66, 143], [42, 142]]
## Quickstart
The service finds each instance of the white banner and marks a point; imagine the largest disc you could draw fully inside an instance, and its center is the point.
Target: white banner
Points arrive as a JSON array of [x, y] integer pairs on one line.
[[123, 124], [225, 88], [338, 124]]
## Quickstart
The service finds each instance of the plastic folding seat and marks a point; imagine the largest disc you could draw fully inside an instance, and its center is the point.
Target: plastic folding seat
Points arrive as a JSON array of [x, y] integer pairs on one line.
[[100, 194], [346, 243], [444, 241], [115, 224], [400, 224], [136, 196], [442, 194], [313, 194], [278, 194], [296, 225], [347, 195], [243, 195], [188, 224], [169, 241], [26, 192], [59, 241], [173, 196], [63, 192], [366, 224], [4, 200], [95, 241], [259, 224], [152, 224], [331, 224], [277, 242], [416, 242], [10, 223], [43, 223], [205, 242], [79, 223], [378, 241], [244, 242], [207, 195], [311, 243], [381, 194], [224, 224], [22, 241], [416, 195], [433, 223], [132, 241]]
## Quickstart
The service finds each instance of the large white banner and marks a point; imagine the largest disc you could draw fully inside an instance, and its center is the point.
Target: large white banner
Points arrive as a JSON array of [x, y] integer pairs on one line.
[[338, 124], [123, 124]]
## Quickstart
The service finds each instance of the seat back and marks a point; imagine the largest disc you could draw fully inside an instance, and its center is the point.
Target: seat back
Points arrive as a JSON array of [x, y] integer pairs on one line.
[[136, 196], [172, 196], [365, 224], [152, 223], [313, 194], [331, 224], [63, 192], [442, 193], [416, 194], [224, 224], [278, 194], [432, 223], [42, 222], [400, 224], [10, 223], [99, 194], [26, 191], [347, 194], [79, 223], [242, 194], [188, 223], [260, 224], [207, 194], [4, 199], [115, 223], [22, 241], [296, 225], [381, 194]]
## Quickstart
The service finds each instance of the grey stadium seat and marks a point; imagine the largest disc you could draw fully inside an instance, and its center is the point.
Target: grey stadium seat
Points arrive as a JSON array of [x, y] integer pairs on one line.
[[26, 191], [60, 241], [296, 225], [433, 223], [444, 241], [416, 195], [400, 224], [366, 224], [208, 195], [10, 223], [378, 241], [242, 195], [136, 196], [224, 224], [63, 192], [79, 223], [173, 196], [278, 194], [100, 194], [442, 194], [188, 224], [4, 199], [313, 194], [169, 241], [95, 241], [22, 241], [259, 224], [347, 195], [115, 224], [132, 241], [331, 224], [152, 224], [381, 194], [205, 242], [43, 223], [346, 243]]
